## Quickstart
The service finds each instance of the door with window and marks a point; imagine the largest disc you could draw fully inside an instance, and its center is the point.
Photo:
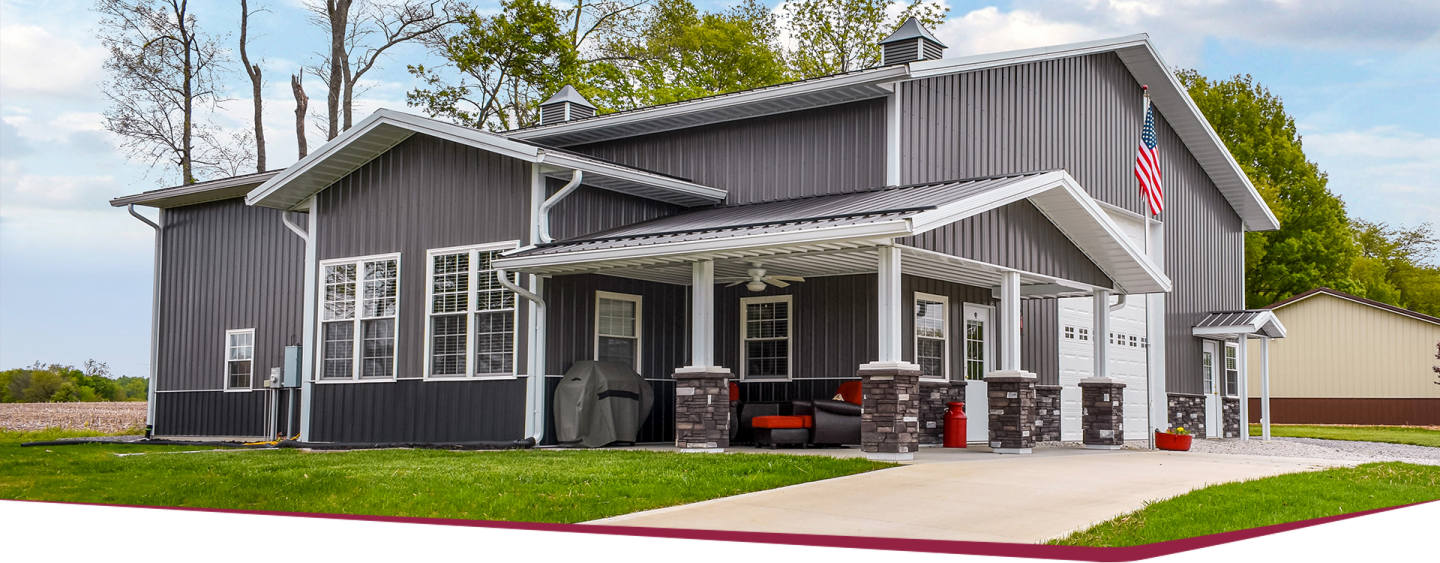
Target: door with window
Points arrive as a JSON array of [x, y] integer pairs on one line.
[[1210, 383], [978, 344]]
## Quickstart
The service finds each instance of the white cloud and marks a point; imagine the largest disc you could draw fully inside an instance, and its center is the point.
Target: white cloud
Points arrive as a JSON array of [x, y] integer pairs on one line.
[[1384, 173], [989, 30], [35, 63]]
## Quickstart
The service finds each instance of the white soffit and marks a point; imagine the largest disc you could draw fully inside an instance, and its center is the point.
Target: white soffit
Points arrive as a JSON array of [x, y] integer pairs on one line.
[[199, 192], [384, 129]]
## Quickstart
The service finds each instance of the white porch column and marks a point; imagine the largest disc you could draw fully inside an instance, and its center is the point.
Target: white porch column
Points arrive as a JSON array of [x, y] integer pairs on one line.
[[1265, 388], [1243, 358], [702, 321], [1101, 338], [892, 304], [1010, 321]]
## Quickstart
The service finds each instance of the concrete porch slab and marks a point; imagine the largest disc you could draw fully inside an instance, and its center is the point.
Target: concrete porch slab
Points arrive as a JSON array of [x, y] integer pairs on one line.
[[972, 495]]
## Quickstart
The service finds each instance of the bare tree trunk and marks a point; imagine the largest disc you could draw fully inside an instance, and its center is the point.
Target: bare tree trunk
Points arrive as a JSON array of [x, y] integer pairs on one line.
[[255, 84], [349, 100], [302, 105], [187, 151], [339, 13]]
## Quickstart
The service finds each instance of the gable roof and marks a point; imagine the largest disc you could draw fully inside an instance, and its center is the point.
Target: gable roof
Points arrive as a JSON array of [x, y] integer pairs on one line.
[[568, 94], [199, 192], [1231, 324], [911, 29], [852, 221], [1135, 51], [1356, 299], [384, 129]]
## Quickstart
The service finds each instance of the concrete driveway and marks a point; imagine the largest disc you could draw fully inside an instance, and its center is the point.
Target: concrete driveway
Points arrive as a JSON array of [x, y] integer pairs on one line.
[[974, 496]]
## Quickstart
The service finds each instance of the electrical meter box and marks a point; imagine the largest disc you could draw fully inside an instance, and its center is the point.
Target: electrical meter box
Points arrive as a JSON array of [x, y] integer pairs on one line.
[[291, 376]]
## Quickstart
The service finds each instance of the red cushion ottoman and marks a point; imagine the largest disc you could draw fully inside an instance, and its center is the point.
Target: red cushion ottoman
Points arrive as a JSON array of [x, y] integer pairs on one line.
[[775, 431]]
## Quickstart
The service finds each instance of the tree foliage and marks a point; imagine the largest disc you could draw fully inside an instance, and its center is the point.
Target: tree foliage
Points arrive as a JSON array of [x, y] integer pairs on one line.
[[1392, 265], [835, 36], [1314, 246], [56, 383]]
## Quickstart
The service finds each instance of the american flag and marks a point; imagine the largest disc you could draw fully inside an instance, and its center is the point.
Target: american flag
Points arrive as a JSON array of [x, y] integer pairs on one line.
[[1147, 163]]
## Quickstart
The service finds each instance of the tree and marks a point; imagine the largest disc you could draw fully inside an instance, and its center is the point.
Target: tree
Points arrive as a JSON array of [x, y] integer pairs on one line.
[[1391, 266], [360, 34], [44, 383], [163, 69], [835, 36], [506, 63], [681, 54], [1314, 245], [256, 83], [302, 105]]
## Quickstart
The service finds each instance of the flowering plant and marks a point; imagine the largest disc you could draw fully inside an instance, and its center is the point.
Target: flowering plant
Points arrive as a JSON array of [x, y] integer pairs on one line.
[[1180, 431]]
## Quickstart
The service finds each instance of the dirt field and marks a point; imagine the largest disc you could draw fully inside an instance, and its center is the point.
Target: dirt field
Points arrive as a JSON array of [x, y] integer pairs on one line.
[[101, 417]]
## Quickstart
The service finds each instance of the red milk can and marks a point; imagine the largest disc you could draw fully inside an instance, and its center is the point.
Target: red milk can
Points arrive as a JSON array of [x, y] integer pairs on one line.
[[955, 424]]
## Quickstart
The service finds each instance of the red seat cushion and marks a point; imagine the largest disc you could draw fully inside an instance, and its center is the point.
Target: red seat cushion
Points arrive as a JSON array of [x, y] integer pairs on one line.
[[734, 391], [851, 392], [774, 422]]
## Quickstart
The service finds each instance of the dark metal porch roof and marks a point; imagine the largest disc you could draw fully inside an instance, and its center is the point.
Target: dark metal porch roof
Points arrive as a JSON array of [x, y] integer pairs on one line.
[[1231, 324]]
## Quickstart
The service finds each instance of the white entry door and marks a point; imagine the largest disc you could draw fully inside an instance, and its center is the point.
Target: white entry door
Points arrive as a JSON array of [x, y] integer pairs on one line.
[[1210, 383], [976, 332]]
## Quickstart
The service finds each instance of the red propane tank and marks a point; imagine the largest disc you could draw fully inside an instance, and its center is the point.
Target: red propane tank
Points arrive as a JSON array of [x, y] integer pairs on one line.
[[955, 425]]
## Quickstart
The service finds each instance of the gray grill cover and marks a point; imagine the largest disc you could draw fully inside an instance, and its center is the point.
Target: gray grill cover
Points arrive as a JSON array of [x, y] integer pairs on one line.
[[598, 403]]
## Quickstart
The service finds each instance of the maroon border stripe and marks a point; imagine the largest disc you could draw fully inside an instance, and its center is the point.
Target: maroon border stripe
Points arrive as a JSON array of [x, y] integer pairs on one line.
[[1059, 552]]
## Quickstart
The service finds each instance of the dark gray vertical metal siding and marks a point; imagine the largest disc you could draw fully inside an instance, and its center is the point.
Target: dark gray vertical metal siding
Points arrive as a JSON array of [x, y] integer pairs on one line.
[[419, 411], [1083, 114], [827, 150], [591, 210], [226, 266], [570, 322], [1040, 340], [1018, 236], [211, 413]]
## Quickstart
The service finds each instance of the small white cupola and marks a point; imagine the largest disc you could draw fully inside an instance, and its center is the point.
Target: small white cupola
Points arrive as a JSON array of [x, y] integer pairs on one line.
[[565, 105], [912, 42]]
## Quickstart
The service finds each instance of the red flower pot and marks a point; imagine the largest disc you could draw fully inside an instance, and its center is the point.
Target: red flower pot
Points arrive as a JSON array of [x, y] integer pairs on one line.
[[1172, 442]]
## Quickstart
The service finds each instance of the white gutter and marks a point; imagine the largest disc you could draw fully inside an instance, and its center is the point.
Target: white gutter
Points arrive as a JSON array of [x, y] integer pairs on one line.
[[536, 385], [1119, 303], [307, 342], [543, 222], [154, 325]]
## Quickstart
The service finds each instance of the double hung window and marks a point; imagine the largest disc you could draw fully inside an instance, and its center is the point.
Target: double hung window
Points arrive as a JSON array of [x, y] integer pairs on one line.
[[765, 333], [617, 328], [471, 330], [239, 359], [1232, 370], [358, 317], [932, 335]]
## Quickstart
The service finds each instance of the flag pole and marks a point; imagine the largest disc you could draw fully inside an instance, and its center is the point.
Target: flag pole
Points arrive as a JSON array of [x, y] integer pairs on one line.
[[1149, 380]]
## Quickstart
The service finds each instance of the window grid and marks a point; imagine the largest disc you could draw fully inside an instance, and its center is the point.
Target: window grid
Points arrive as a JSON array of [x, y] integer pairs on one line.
[[1069, 332], [766, 337], [617, 328], [1084, 334], [1232, 373], [360, 346], [932, 335], [471, 330], [239, 358]]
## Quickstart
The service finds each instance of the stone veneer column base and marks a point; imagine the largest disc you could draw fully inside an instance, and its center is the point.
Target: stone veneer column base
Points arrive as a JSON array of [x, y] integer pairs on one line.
[[890, 410], [1102, 420], [1230, 411], [702, 409], [1011, 395], [1047, 413], [1187, 411], [933, 397]]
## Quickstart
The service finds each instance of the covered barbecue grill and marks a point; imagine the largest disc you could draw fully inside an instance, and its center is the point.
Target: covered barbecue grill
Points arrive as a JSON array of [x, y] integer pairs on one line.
[[600, 403]]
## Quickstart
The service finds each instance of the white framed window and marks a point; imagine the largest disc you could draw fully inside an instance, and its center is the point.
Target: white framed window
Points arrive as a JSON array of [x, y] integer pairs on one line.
[[1134, 341], [1232, 370], [470, 318], [932, 335], [1144, 343], [765, 329], [978, 342], [617, 328], [239, 359], [1070, 332], [359, 309], [1084, 333]]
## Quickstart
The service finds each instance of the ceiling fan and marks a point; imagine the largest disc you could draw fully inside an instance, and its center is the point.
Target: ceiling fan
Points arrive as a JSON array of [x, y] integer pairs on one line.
[[758, 280]]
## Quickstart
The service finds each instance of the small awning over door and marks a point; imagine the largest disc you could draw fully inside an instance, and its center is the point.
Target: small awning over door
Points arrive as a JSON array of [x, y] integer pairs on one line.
[[1231, 324]]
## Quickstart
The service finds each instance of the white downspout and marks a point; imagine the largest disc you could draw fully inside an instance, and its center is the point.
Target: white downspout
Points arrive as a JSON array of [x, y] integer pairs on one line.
[[307, 334], [154, 326], [1119, 302], [536, 358], [543, 221]]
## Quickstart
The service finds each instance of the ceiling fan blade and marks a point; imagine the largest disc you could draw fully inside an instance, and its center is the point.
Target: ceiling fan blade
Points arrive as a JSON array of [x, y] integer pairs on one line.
[[789, 278], [775, 282], [737, 283]]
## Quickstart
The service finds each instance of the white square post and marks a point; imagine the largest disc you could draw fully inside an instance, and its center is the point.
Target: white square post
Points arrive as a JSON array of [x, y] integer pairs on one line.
[[1265, 388], [1101, 338], [1243, 385], [892, 304], [1010, 321], [702, 322]]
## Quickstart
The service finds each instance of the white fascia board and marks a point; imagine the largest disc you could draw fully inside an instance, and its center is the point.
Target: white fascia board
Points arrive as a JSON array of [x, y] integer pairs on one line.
[[926, 254], [936, 67], [879, 75], [954, 211], [1113, 233], [632, 175], [1224, 330], [848, 233]]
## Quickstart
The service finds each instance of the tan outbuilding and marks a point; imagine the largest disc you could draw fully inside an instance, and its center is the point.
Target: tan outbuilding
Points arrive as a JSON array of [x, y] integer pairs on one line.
[[1349, 360]]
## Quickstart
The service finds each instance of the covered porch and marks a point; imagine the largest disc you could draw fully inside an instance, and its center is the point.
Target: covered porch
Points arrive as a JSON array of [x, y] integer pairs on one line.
[[789, 299]]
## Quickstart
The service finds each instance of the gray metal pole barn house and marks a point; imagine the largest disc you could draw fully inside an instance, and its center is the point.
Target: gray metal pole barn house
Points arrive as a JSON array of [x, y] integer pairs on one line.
[[958, 223]]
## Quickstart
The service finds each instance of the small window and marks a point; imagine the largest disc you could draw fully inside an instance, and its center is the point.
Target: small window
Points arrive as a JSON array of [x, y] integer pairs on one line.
[[1069, 332], [471, 330], [617, 328], [1143, 343], [358, 317], [1112, 338], [765, 332], [239, 358], [1084, 334], [1134, 341], [1232, 373], [932, 335]]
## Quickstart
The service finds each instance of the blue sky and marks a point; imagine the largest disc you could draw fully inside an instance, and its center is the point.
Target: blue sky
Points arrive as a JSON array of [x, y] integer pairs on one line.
[[1359, 77]]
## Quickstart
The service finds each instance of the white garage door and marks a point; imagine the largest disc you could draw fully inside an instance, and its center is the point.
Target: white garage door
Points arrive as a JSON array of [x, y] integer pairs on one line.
[[1127, 362]]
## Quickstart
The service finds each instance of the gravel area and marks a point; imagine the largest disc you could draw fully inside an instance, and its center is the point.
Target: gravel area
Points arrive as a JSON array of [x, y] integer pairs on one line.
[[100, 417], [1338, 450]]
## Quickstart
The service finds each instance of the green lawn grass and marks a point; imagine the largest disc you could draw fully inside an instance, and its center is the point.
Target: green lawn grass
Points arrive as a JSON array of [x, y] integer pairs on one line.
[[1262, 502], [564, 486], [1413, 435]]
